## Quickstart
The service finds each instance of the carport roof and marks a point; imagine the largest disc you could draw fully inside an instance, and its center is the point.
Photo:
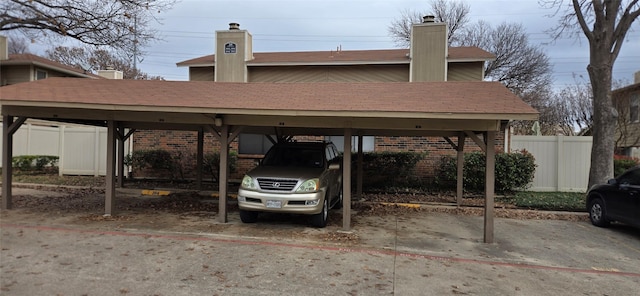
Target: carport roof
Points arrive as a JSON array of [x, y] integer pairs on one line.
[[446, 100]]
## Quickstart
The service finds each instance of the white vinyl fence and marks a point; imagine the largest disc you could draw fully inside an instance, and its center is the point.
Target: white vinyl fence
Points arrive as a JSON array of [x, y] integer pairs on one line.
[[562, 162], [81, 150]]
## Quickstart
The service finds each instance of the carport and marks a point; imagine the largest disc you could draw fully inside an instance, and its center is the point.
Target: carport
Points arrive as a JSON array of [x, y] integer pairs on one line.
[[477, 110]]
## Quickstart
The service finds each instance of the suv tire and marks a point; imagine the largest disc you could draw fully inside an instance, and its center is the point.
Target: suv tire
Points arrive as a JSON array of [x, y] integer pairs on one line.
[[248, 216], [320, 219]]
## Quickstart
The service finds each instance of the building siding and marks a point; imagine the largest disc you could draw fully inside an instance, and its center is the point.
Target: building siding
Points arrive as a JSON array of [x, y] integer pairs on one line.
[[201, 73], [15, 74], [364, 73], [469, 71]]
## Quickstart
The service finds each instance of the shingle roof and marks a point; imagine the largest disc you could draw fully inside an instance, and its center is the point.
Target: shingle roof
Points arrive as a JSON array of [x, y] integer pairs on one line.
[[344, 57], [31, 59], [482, 99]]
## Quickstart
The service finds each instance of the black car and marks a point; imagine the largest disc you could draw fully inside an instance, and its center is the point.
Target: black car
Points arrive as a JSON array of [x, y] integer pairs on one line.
[[618, 200]]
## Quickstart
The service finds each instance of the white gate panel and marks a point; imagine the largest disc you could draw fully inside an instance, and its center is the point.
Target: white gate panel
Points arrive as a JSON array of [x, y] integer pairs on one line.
[[562, 162]]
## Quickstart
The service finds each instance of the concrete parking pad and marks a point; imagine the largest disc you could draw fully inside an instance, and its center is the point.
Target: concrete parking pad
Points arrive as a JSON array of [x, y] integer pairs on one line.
[[416, 254]]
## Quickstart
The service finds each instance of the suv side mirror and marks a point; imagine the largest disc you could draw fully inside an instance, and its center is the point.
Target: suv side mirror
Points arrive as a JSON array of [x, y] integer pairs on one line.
[[612, 181]]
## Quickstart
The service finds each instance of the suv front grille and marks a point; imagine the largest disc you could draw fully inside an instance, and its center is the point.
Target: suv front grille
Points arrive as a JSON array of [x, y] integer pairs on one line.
[[277, 184]]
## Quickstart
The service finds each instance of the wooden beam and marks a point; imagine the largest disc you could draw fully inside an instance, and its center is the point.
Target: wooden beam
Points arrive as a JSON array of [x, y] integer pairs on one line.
[[477, 139], [453, 145], [224, 171], [489, 187], [346, 181], [110, 190], [460, 172]]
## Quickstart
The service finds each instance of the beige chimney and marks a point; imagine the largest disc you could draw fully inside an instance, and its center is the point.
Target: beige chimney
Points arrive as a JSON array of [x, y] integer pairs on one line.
[[428, 51], [4, 48], [110, 73], [233, 50], [636, 77]]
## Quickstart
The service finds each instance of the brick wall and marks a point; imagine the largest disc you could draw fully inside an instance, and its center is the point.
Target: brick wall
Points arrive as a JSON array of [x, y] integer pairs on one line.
[[184, 145]]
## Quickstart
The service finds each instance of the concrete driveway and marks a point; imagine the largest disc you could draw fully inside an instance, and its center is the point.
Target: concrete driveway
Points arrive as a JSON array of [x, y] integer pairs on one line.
[[414, 254]]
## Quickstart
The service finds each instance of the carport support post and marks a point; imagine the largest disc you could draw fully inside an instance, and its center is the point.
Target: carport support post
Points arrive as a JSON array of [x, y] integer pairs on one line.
[[199, 158], [224, 170], [346, 181], [121, 135], [9, 127], [490, 180], [460, 163], [360, 167], [110, 190]]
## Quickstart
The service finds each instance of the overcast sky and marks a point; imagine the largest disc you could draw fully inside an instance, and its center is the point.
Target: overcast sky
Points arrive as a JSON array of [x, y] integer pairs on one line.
[[311, 25]]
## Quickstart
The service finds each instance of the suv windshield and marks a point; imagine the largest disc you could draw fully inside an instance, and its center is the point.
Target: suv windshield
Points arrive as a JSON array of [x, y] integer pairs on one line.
[[290, 156]]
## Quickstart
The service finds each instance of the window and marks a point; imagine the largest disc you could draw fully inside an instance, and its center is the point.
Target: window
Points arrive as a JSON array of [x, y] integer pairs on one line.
[[253, 144], [368, 143], [40, 74], [634, 108]]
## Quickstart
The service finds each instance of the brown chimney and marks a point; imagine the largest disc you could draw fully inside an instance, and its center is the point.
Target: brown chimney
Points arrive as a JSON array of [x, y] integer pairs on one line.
[[428, 19], [234, 26], [4, 48]]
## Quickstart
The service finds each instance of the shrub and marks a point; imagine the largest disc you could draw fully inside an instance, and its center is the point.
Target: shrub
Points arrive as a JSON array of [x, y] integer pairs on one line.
[[162, 162], [156, 159], [384, 170], [514, 171], [34, 162], [621, 163], [211, 164]]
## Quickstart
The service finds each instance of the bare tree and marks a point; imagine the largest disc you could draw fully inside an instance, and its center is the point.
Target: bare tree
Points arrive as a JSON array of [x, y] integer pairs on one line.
[[605, 25], [519, 65], [17, 45], [575, 102], [96, 59], [454, 13], [119, 24]]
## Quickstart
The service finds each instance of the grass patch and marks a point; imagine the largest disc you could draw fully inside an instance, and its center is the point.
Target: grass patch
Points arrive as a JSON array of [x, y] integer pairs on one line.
[[550, 201]]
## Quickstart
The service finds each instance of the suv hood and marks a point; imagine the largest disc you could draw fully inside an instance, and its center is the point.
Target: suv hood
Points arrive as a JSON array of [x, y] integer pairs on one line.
[[285, 172]]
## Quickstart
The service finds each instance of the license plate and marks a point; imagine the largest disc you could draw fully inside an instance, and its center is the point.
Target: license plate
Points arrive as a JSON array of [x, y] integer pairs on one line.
[[274, 204]]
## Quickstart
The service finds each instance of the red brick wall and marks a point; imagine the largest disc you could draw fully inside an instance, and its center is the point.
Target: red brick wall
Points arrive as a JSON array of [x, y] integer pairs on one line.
[[184, 144]]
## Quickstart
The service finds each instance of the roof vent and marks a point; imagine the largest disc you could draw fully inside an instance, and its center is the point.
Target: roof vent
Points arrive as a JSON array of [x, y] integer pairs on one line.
[[234, 26], [428, 19]]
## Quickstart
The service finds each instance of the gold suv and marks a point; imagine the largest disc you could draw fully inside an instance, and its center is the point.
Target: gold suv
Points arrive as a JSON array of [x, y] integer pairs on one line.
[[293, 177]]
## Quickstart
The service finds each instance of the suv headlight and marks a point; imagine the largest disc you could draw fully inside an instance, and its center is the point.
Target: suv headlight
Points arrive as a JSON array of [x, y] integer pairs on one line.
[[247, 182], [310, 185]]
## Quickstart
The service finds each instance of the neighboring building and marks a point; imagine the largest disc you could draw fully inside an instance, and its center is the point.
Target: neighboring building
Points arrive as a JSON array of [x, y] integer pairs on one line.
[[428, 59], [16, 68], [627, 102]]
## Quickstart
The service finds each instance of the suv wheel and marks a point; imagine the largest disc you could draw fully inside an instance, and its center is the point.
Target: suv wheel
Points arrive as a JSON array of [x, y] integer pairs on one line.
[[320, 219], [248, 216], [597, 213]]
